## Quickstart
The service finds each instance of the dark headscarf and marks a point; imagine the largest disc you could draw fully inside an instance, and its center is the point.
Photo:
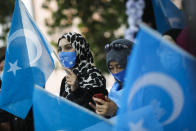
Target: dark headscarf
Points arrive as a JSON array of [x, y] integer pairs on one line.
[[90, 79], [118, 51]]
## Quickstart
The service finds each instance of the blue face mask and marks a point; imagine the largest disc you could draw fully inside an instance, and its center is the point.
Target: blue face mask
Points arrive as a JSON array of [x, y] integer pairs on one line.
[[119, 76], [68, 59]]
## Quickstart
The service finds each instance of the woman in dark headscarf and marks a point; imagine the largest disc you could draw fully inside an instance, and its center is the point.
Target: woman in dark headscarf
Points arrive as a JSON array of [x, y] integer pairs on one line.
[[83, 79], [117, 53]]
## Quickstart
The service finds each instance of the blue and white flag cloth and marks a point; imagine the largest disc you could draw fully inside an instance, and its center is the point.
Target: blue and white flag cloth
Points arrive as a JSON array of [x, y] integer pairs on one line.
[[162, 75], [28, 63], [167, 15], [53, 113], [142, 119]]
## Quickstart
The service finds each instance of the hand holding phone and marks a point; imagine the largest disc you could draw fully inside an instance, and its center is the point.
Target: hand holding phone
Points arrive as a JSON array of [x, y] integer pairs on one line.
[[100, 96]]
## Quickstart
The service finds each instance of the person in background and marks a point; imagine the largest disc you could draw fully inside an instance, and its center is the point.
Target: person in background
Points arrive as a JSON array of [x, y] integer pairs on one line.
[[172, 34], [117, 54], [148, 14], [185, 38], [83, 79]]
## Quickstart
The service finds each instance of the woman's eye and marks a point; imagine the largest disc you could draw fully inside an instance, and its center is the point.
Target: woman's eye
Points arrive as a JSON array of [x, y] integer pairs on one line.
[[111, 68], [118, 66], [67, 47]]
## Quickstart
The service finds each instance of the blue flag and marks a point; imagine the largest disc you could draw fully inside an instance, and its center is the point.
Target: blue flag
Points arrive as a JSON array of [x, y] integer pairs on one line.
[[167, 15], [142, 119], [162, 75], [53, 113], [28, 63]]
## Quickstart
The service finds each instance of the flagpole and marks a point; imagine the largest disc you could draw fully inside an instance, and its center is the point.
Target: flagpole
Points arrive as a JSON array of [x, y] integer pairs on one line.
[[58, 58], [55, 54], [33, 9], [29, 6]]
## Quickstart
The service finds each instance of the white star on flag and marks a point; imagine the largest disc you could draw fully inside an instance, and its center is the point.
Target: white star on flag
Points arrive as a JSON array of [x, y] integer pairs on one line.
[[159, 112], [14, 67], [137, 126]]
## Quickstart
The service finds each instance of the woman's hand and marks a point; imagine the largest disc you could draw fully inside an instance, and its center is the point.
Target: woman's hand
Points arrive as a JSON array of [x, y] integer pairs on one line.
[[71, 79], [104, 108]]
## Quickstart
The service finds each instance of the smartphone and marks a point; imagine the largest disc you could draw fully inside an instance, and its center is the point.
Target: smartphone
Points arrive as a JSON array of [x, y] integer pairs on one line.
[[100, 96]]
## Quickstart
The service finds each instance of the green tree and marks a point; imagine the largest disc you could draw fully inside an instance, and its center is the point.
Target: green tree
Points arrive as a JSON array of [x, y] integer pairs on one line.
[[6, 10], [99, 20]]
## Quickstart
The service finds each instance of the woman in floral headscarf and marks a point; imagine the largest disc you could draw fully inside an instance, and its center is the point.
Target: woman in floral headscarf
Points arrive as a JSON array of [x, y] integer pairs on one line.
[[83, 79]]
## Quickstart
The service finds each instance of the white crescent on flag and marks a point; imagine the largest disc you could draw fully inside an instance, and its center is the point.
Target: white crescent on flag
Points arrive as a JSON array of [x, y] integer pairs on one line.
[[166, 83]]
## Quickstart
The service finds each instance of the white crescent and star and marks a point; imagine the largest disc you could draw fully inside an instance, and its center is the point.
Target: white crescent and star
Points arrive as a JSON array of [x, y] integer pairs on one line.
[[166, 83], [30, 36]]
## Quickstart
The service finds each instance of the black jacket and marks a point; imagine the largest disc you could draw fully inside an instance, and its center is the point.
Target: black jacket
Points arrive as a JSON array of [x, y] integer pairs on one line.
[[81, 96]]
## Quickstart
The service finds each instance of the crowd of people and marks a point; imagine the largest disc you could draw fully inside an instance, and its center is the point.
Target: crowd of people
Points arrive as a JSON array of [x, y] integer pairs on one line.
[[84, 84]]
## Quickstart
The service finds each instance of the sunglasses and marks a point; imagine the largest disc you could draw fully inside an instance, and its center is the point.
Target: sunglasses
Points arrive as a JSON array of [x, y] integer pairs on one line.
[[108, 47]]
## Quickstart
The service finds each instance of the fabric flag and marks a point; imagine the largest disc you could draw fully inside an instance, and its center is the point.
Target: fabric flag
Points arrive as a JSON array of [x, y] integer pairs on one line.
[[162, 75], [167, 15], [53, 113], [28, 63], [142, 119]]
